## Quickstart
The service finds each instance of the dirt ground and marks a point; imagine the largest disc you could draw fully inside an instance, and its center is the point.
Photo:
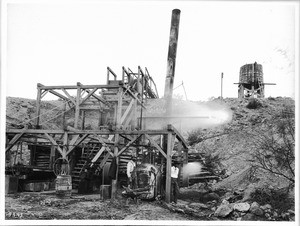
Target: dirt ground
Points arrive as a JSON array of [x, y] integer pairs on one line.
[[46, 205]]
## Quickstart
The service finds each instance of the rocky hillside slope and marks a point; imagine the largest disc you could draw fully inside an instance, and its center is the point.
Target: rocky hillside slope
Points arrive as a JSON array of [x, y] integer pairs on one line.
[[234, 141]]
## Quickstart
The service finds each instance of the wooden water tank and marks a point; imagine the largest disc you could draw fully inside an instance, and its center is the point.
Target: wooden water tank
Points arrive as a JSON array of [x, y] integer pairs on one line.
[[251, 73]]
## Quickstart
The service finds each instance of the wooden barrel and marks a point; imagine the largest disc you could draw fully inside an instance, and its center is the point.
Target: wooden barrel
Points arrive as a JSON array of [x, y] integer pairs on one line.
[[63, 186]]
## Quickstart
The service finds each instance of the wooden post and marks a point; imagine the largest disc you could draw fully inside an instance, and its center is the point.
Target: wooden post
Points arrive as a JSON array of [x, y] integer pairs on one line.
[[77, 110], [185, 179], [241, 91], [64, 126], [38, 106], [116, 149], [52, 157], [82, 119], [65, 147], [134, 115], [170, 143]]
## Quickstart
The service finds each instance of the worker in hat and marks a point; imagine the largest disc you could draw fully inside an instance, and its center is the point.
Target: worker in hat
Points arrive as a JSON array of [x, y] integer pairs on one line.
[[174, 182], [130, 168]]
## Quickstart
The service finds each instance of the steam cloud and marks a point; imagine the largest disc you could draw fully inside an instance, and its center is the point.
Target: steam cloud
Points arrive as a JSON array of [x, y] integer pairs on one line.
[[187, 115]]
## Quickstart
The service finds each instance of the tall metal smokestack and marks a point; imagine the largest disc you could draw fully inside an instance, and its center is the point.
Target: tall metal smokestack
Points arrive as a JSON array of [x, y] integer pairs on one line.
[[171, 59]]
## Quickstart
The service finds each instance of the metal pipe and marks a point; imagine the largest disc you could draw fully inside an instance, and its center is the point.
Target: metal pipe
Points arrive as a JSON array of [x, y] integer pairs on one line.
[[171, 59]]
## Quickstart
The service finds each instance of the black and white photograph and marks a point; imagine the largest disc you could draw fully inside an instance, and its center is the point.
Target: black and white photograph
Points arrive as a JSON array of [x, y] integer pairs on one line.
[[149, 112]]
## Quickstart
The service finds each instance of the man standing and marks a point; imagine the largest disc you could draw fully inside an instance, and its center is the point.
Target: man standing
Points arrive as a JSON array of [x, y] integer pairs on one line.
[[174, 182], [130, 168]]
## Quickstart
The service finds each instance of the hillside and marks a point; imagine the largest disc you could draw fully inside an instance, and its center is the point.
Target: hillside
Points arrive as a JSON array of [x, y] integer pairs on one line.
[[234, 141]]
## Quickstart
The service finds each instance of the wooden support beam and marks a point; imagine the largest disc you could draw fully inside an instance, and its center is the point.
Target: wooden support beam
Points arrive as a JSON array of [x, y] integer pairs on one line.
[[54, 143], [38, 107], [113, 86], [185, 176], [129, 120], [127, 137], [13, 141], [104, 160], [98, 154], [178, 136], [82, 119], [134, 96], [170, 146], [65, 145], [88, 132], [113, 73], [44, 93], [78, 142], [128, 145], [74, 139], [156, 145], [52, 157], [59, 95], [127, 111], [90, 93], [77, 110], [117, 137], [69, 96], [104, 146]]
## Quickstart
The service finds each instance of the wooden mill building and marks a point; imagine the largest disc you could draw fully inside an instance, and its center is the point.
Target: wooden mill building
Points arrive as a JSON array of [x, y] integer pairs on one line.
[[117, 107]]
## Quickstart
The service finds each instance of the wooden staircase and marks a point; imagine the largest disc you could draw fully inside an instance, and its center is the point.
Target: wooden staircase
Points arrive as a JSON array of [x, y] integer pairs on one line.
[[87, 155]]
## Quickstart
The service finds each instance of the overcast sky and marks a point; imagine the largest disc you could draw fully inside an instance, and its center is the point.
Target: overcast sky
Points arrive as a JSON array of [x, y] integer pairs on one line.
[[65, 43]]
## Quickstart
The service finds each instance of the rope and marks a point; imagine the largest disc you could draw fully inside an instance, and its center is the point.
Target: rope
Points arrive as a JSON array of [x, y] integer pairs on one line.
[[55, 116], [47, 112]]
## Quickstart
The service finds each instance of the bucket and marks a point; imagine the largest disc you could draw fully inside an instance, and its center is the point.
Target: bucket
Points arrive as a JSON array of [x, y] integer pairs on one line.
[[63, 186], [105, 192]]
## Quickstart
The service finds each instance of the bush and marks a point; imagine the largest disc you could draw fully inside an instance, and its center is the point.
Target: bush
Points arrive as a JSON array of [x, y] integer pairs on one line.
[[212, 163], [195, 136], [278, 199], [253, 104], [274, 146]]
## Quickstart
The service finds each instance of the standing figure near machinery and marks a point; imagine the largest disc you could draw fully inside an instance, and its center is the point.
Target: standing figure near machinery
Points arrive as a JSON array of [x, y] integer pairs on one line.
[[174, 182], [130, 167]]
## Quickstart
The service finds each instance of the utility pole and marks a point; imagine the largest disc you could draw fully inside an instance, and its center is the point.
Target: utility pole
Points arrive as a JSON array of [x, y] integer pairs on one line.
[[222, 86]]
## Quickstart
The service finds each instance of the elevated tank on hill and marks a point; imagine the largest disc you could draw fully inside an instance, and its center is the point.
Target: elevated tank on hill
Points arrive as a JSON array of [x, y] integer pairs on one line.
[[251, 81]]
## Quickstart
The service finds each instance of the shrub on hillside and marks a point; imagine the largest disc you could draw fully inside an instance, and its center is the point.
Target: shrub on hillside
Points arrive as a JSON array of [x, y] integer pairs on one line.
[[253, 104], [274, 146], [278, 199], [195, 136], [212, 163]]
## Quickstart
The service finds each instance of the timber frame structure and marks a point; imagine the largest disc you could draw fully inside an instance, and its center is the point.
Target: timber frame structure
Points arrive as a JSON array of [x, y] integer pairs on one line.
[[117, 104]]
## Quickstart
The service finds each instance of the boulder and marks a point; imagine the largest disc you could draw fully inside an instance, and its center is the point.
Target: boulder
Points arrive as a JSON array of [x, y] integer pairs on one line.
[[292, 212], [254, 205], [266, 207], [228, 196], [248, 217], [248, 192], [257, 211], [242, 207], [209, 197], [225, 202], [224, 210]]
